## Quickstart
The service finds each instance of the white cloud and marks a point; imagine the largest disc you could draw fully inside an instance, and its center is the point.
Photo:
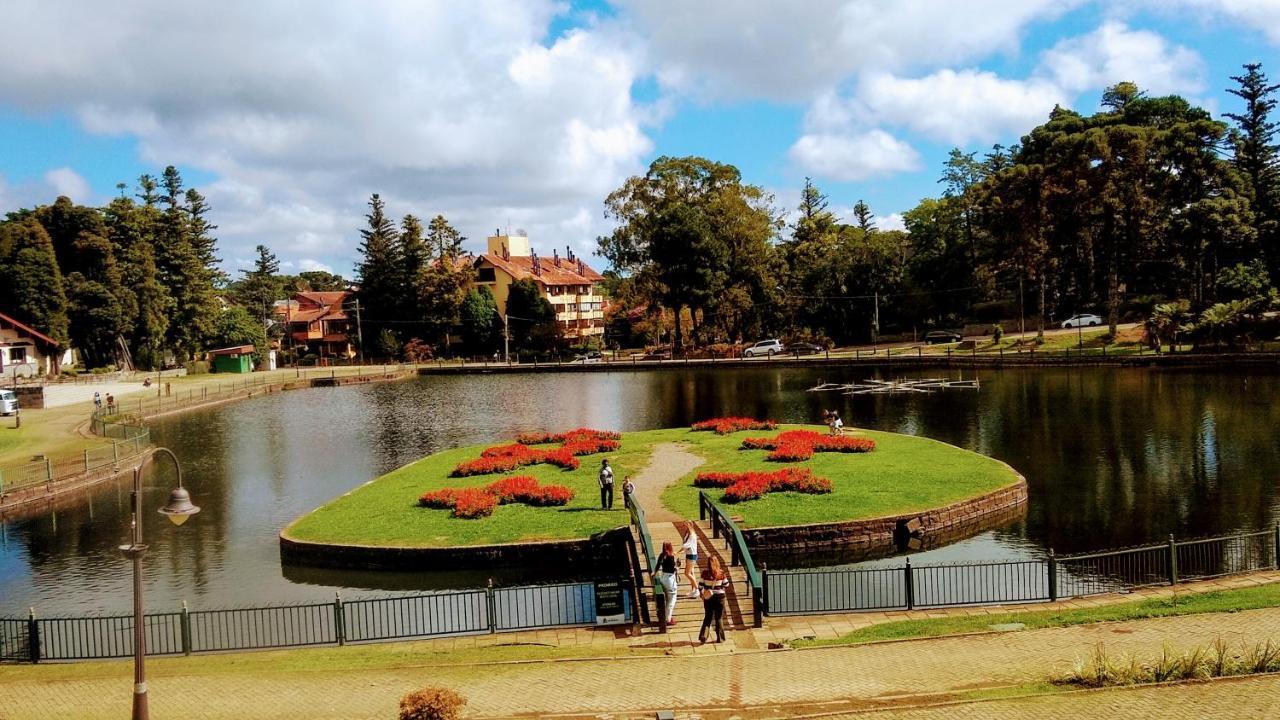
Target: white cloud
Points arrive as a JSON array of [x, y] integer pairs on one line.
[[781, 51], [1260, 15], [66, 181], [1114, 53], [460, 108], [892, 221], [854, 156], [310, 265]]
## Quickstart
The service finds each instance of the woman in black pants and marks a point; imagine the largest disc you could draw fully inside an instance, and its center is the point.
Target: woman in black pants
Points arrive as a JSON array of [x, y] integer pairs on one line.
[[714, 583]]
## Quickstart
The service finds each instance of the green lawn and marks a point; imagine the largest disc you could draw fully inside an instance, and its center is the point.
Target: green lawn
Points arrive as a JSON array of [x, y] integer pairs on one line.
[[903, 474], [1251, 598]]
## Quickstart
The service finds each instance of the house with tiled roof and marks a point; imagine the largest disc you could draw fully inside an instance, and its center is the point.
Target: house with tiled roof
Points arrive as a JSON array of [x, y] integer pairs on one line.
[[317, 323], [569, 283], [26, 352]]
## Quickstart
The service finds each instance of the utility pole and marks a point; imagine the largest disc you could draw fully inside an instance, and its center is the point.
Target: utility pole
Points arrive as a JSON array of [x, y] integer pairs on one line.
[[875, 330], [359, 331]]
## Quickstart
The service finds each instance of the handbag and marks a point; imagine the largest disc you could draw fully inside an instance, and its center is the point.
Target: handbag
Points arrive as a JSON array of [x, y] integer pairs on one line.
[[706, 594]]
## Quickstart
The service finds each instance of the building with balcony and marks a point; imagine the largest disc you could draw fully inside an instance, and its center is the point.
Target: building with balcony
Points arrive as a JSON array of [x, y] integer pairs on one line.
[[571, 286], [317, 323]]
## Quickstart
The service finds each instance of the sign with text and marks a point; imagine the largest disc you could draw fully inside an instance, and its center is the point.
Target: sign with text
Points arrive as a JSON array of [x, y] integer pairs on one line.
[[611, 602]]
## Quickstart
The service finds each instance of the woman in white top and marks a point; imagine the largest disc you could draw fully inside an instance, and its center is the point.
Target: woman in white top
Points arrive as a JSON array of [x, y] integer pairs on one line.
[[690, 546]]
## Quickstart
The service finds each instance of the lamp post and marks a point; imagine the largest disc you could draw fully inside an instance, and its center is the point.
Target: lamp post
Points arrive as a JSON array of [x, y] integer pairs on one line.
[[178, 509]]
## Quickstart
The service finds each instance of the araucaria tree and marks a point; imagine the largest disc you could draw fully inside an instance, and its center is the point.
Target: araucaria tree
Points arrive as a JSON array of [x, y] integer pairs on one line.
[[381, 270]]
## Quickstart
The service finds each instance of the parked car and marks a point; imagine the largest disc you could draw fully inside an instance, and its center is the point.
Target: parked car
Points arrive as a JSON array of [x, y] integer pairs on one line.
[[938, 337], [803, 348], [8, 402], [1084, 320], [593, 356], [662, 352], [764, 347]]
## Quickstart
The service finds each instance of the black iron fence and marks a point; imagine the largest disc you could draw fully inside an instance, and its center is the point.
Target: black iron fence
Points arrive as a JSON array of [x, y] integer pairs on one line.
[[1017, 581], [463, 612]]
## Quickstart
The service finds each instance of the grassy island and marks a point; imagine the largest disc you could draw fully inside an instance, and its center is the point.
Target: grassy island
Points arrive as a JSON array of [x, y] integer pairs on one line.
[[902, 474]]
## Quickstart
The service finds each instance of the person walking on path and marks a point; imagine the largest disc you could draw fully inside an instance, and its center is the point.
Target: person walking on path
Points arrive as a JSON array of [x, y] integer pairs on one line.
[[628, 489], [666, 577], [606, 485], [690, 546], [713, 584], [97, 400]]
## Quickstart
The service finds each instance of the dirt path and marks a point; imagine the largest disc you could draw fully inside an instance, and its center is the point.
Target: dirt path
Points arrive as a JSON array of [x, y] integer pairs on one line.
[[668, 463]]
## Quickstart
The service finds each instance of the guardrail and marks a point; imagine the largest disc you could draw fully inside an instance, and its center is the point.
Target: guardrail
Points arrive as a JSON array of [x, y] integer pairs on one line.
[[908, 587], [739, 553], [128, 441], [641, 523], [463, 612]]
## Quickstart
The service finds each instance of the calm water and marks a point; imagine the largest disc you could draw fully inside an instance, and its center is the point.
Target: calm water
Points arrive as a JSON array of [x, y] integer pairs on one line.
[[1113, 457]]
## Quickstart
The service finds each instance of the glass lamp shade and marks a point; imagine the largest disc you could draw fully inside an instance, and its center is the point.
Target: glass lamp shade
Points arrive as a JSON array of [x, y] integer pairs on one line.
[[179, 507]]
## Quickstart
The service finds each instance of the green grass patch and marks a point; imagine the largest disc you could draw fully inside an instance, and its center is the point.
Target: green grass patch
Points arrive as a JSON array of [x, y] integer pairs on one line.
[[903, 474], [1252, 598]]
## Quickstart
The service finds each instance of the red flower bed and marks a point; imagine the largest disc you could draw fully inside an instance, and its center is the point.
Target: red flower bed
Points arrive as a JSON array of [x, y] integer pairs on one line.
[[726, 425], [487, 465], [795, 445], [561, 457], [505, 458], [473, 503], [752, 485], [538, 438], [544, 438], [590, 446], [470, 503]]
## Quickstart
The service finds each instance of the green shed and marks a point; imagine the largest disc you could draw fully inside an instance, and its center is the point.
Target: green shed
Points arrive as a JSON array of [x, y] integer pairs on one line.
[[237, 359]]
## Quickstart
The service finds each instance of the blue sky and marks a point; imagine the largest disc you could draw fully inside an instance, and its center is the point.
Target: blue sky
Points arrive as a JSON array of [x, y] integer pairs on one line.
[[526, 114]]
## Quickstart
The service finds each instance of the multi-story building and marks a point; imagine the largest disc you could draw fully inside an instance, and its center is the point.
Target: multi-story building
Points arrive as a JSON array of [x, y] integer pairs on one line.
[[572, 286], [316, 322]]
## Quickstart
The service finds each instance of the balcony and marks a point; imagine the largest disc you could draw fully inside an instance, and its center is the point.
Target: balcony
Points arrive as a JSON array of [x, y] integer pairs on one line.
[[305, 335], [574, 315]]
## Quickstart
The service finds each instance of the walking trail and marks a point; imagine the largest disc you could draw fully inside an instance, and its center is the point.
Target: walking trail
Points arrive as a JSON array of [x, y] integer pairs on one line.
[[668, 463], [895, 676]]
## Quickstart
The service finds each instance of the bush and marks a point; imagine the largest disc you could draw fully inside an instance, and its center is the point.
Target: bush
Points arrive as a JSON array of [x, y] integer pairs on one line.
[[70, 372], [439, 499], [751, 485], [796, 445], [102, 370], [472, 503], [432, 704], [726, 425], [197, 367]]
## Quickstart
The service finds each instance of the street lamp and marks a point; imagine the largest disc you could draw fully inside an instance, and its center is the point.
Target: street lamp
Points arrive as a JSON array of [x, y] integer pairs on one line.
[[178, 509]]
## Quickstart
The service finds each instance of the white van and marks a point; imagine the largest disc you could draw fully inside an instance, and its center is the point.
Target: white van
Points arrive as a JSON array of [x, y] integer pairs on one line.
[[8, 402]]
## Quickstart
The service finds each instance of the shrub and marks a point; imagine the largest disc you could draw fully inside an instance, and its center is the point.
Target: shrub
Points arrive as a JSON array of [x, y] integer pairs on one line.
[[513, 489], [486, 466], [541, 438], [726, 425], [795, 445], [432, 704], [472, 503], [751, 485], [590, 446], [550, 496], [715, 480], [561, 457], [791, 452], [439, 499]]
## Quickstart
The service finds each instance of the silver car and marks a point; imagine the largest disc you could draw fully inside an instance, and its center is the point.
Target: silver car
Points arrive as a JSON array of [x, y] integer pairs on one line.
[[8, 402], [764, 347], [1085, 320]]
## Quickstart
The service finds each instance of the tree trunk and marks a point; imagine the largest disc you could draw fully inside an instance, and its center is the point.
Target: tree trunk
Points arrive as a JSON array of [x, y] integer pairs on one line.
[[1040, 319], [677, 338], [1113, 296]]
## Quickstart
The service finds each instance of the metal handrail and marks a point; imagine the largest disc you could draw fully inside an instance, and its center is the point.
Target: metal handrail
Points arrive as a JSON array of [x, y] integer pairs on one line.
[[640, 521], [738, 542]]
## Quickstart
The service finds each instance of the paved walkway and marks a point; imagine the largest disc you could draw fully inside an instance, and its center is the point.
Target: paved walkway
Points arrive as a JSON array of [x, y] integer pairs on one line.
[[883, 675], [668, 463]]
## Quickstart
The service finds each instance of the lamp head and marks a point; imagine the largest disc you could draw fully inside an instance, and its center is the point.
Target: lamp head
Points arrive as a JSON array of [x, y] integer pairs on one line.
[[179, 507]]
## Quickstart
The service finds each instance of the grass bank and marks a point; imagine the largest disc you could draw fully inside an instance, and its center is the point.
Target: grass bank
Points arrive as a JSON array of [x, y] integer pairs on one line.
[[903, 474], [1251, 598]]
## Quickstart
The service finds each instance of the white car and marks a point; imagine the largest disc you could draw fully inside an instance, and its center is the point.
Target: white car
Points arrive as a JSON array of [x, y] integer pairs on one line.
[[8, 402], [1085, 320], [764, 347]]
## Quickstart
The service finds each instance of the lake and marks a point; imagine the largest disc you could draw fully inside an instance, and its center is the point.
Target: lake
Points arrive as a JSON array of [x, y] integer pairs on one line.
[[1113, 457]]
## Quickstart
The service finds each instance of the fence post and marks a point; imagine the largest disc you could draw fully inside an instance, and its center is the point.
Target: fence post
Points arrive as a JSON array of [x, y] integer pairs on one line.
[[1173, 561], [760, 600], [491, 605], [660, 599], [115, 452], [910, 585], [1277, 543], [86, 460], [1053, 576], [186, 629], [48, 468], [339, 622], [33, 636]]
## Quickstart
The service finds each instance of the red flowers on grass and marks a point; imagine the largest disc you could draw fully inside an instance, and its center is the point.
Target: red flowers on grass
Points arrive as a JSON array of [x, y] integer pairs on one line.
[[795, 445], [754, 484], [726, 425], [505, 458], [470, 503]]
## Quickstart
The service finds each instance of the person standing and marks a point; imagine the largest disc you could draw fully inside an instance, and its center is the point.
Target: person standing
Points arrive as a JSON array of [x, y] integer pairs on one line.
[[690, 546], [628, 489], [665, 574], [714, 584], [837, 425], [606, 485], [97, 400]]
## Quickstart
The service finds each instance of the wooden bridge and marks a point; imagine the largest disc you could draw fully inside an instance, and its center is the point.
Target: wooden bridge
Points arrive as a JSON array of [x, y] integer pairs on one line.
[[740, 611]]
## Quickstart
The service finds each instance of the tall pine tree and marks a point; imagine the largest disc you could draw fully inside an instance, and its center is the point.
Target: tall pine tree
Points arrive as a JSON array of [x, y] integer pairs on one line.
[[1257, 155], [33, 290], [380, 271]]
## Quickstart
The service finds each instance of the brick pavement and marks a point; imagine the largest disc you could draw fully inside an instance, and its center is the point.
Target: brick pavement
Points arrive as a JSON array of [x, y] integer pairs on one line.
[[873, 674]]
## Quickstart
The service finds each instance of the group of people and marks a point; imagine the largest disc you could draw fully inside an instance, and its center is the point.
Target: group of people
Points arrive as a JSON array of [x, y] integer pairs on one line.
[[831, 419], [710, 585], [111, 402]]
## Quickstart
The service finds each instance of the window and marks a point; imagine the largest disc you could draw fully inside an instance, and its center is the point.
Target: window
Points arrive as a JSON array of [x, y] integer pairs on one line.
[[17, 355], [485, 274]]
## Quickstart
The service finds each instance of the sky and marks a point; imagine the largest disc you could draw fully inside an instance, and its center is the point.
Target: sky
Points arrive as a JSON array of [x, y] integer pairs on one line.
[[525, 114]]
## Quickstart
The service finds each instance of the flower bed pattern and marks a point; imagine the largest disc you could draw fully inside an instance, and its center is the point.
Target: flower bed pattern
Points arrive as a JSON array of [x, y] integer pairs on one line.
[[505, 458], [752, 485], [726, 425], [471, 503], [796, 445]]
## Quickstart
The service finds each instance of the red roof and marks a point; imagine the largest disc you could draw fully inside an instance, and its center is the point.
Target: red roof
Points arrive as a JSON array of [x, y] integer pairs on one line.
[[29, 330], [565, 273], [315, 306], [237, 350]]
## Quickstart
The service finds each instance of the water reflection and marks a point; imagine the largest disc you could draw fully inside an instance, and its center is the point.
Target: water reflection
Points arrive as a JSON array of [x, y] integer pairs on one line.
[[1113, 457]]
